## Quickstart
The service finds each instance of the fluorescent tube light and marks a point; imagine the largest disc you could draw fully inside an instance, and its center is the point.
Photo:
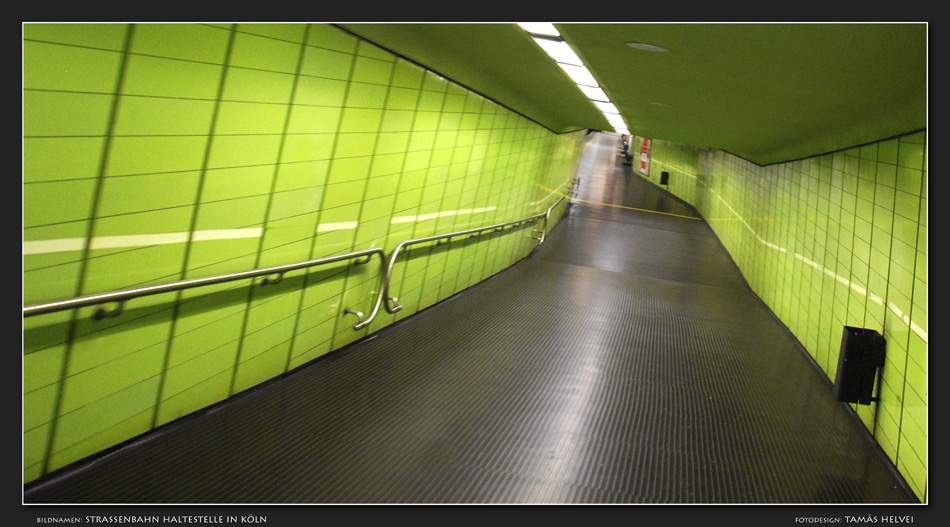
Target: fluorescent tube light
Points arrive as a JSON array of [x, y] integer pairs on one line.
[[540, 28], [607, 107], [579, 74], [565, 57], [594, 93], [615, 119], [560, 51]]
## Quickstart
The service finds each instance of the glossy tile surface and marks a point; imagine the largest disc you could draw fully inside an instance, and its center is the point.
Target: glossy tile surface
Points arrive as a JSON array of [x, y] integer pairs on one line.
[[156, 153], [624, 361]]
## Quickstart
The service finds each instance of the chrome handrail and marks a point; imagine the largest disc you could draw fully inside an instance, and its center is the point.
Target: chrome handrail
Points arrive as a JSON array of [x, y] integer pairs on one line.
[[124, 295], [392, 303]]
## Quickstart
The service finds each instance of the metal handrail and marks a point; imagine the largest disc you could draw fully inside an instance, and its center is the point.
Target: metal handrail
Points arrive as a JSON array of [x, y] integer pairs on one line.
[[124, 295], [392, 303]]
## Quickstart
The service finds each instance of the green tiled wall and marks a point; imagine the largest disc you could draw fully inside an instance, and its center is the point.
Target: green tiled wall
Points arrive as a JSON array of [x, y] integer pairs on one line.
[[161, 152], [832, 241]]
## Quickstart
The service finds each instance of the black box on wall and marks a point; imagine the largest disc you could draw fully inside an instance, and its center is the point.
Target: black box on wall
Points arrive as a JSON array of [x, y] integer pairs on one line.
[[862, 354]]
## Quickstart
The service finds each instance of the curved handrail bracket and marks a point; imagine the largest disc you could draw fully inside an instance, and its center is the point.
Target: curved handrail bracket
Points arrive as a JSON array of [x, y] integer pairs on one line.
[[351, 311], [271, 281], [101, 312], [392, 303]]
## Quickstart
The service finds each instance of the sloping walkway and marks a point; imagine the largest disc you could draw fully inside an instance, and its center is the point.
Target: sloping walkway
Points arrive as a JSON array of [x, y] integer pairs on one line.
[[625, 361]]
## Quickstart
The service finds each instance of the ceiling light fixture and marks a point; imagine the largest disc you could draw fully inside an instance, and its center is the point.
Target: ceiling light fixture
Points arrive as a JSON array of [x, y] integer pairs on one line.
[[579, 74], [540, 28], [559, 50], [607, 107], [645, 47], [615, 119], [547, 37], [594, 93]]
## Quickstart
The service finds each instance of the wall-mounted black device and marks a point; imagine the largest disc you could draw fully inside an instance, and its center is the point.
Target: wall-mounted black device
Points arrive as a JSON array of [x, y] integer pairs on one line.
[[862, 355]]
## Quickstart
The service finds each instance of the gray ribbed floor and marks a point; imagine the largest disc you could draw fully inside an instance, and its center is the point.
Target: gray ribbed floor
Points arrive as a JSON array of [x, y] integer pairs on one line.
[[626, 361]]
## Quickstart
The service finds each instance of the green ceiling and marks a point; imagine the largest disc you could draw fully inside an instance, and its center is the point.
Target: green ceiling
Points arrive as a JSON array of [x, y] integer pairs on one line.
[[767, 92]]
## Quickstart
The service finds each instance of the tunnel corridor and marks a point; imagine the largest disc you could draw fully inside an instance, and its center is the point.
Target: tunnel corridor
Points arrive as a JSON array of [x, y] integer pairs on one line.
[[624, 361]]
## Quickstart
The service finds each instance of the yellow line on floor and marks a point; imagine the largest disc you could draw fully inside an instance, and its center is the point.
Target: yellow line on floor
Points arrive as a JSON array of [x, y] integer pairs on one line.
[[633, 208], [589, 141]]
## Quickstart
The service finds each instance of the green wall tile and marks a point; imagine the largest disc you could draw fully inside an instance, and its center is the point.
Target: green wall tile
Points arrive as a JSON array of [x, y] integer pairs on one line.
[[371, 70], [103, 36], [250, 118], [910, 154], [326, 64], [151, 155], [48, 278], [56, 159], [112, 269], [315, 149], [330, 37], [259, 368], [69, 68], [356, 153], [124, 195], [193, 42], [86, 387], [887, 174], [66, 114], [198, 394], [213, 345], [57, 202], [236, 151], [213, 257], [161, 77], [262, 53], [909, 180], [107, 422], [856, 213], [289, 32]]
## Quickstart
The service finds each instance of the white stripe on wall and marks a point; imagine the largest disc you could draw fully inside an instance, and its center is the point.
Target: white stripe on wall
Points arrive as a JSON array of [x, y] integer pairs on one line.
[[142, 240], [54, 246], [341, 226], [111, 242], [136, 240], [854, 286], [443, 214], [227, 234]]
